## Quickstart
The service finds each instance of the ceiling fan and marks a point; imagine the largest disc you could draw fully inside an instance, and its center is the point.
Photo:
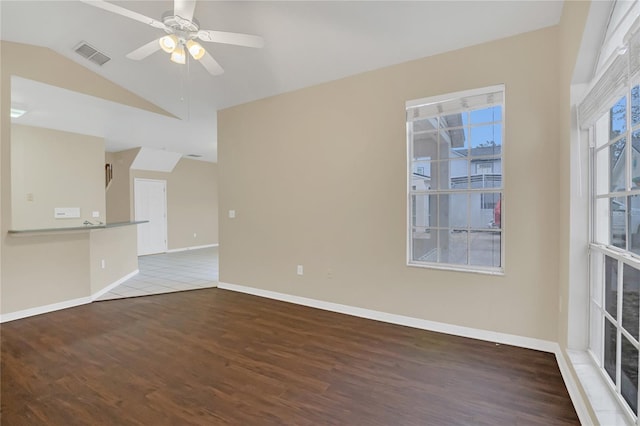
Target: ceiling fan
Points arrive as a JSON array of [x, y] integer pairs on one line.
[[182, 31]]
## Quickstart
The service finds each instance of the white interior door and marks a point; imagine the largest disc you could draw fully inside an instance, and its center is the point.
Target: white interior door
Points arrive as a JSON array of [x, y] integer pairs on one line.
[[151, 205]]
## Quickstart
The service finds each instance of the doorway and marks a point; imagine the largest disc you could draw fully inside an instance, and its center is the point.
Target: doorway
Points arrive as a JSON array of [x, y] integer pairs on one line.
[[150, 204]]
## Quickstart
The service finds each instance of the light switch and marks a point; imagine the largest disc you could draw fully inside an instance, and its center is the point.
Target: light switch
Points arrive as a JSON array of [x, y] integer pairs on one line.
[[232, 214]]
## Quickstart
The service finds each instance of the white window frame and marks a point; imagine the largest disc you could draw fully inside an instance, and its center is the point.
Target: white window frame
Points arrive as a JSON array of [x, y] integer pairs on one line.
[[435, 101], [597, 105]]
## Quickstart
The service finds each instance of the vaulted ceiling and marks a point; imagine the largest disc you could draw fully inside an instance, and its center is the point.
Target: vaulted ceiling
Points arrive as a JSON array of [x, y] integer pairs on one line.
[[306, 43]]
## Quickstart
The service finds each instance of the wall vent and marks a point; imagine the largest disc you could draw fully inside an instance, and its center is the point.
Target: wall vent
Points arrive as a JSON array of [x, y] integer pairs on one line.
[[194, 155], [89, 52]]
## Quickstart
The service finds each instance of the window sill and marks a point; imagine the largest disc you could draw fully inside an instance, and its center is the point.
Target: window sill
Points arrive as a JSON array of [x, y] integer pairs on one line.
[[455, 268], [602, 401]]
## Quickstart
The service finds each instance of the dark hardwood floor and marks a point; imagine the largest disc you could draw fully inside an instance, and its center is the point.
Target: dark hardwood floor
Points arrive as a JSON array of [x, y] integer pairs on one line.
[[210, 357]]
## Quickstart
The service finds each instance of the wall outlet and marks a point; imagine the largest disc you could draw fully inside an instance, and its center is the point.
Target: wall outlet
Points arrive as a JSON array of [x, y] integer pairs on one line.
[[95, 214], [300, 270], [329, 274], [30, 196], [232, 214], [103, 263], [195, 235]]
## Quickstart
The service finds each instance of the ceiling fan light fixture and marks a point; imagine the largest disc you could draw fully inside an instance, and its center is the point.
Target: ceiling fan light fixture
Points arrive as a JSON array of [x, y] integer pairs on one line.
[[195, 49], [178, 55], [168, 43]]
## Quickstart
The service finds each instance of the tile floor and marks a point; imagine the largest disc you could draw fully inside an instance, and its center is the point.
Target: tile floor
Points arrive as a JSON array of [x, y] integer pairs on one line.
[[170, 272]]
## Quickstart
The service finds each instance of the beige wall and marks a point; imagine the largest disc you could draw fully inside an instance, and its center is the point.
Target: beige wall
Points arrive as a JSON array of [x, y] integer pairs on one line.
[[119, 192], [45, 269], [192, 202], [55, 169], [318, 177], [118, 248], [571, 28], [39, 270]]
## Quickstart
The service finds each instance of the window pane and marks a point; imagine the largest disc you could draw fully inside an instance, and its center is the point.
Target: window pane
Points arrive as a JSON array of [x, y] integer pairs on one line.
[[630, 305], [453, 245], [610, 341], [486, 140], [635, 105], [486, 115], [618, 118], [423, 210], [453, 143], [458, 119], [488, 166], [421, 176], [424, 245], [486, 181], [611, 286], [497, 214], [425, 125], [483, 207], [629, 374], [602, 171], [421, 169], [617, 166], [634, 223], [635, 160], [425, 146], [618, 221], [458, 172], [602, 219], [453, 211], [485, 248]]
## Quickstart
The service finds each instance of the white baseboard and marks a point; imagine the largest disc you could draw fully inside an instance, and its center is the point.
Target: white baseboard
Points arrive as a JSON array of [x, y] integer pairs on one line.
[[192, 248], [113, 285], [38, 310], [456, 330], [44, 309]]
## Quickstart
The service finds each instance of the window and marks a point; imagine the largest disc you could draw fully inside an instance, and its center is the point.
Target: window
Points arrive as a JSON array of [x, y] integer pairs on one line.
[[611, 113], [455, 155]]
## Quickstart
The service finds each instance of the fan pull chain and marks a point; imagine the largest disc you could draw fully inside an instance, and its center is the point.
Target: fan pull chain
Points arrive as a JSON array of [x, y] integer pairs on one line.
[[188, 86]]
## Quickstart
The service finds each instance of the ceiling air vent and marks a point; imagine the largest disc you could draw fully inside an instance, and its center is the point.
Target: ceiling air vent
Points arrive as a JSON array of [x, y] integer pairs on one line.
[[91, 53]]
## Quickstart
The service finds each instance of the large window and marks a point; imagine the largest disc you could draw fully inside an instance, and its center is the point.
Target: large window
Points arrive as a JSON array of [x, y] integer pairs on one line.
[[611, 113], [455, 184]]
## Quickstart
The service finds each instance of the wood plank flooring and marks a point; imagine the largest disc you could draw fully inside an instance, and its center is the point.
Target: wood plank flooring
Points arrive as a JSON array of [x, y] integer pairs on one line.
[[211, 356]]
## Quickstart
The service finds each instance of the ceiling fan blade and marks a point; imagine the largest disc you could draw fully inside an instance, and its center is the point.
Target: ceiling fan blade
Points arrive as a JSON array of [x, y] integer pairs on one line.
[[237, 39], [125, 12], [184, 8], [144, 51], [211, 64]]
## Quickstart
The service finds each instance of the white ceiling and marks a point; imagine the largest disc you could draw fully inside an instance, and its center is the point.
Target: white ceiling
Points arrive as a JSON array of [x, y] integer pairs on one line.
[[306, 43]]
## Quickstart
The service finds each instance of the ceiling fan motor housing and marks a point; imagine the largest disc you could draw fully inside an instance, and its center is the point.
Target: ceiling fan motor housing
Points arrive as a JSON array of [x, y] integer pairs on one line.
[[181, 27]]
